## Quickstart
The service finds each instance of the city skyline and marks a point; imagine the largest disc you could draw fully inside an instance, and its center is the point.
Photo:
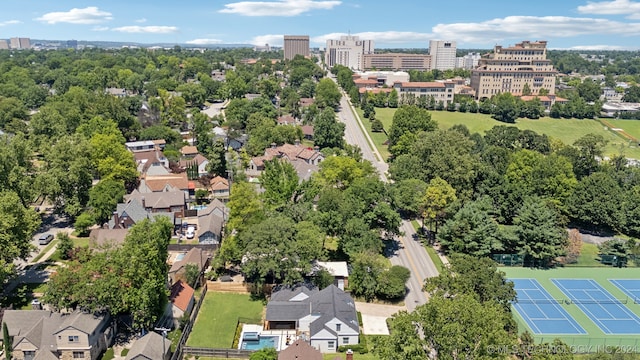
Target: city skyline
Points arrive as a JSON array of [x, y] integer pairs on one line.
[[570, 24]]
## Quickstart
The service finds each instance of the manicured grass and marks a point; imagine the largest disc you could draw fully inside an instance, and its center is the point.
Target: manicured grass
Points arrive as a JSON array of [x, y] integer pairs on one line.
[[433, 254], [356, 356], [108, 355], [45, 250], [595, 336], [379, 138], [124, 352], [566, 130], [218, 317], [588, 256]]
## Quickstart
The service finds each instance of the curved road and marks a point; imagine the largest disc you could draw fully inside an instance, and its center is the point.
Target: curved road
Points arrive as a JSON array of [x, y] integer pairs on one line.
[[409, 251]]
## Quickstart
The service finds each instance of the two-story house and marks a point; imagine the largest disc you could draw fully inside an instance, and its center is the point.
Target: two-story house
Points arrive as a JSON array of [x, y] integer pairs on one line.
[[327, 317], [41, 334]]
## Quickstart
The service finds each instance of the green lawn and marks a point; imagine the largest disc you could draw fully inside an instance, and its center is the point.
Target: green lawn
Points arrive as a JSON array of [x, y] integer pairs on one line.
[[566, 130], [216, 323], [595, 336], [45, 250], [588, 256]]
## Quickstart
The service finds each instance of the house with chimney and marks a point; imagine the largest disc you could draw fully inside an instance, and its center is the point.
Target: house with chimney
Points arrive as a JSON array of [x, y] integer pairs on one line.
[[304, 159], [132, 212], [151, 162], [165, 183], [173, 201]]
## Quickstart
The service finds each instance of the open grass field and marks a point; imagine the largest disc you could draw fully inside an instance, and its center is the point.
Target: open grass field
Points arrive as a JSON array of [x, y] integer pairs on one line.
[[595, 336], [566, 130], [216, 323], [588, 257]]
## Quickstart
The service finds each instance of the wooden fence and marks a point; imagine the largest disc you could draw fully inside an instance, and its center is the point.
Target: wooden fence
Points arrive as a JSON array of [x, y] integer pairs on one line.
[[217, 353], [177, 355]]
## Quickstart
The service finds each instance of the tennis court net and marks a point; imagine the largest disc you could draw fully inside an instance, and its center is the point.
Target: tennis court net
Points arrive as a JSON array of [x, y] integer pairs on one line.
[[570, 301]]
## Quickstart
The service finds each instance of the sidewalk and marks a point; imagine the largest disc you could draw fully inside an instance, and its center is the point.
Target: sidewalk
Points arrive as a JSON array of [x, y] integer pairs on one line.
[[32, 274]]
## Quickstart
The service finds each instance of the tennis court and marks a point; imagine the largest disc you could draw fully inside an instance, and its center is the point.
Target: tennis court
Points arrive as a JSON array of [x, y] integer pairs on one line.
[[631, 287], [609, 313], [541, 312]]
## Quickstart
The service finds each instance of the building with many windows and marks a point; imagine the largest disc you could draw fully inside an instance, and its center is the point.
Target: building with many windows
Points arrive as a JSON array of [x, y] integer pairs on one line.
[[439, 90], [396, 61], [443, 54], [20, 43], [348, 51], [510, 69], [296, 45], [469, 61]]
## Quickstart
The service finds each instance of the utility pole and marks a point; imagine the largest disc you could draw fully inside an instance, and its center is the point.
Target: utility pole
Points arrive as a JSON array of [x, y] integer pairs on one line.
[[164, 336]]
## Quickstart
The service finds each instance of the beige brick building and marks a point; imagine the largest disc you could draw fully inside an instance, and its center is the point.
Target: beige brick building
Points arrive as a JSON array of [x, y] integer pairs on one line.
[[397, 61], [509, 69], [296, 45]]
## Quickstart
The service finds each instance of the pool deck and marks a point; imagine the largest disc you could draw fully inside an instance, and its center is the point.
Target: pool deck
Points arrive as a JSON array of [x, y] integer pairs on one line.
[[281, 334]]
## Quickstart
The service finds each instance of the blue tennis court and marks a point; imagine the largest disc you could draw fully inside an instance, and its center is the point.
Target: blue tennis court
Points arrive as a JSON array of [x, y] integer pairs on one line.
[[631, 287], [611, 316], [541, 312]]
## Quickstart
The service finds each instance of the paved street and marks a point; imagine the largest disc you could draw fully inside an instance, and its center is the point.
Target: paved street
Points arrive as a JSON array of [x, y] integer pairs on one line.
[[409, 252]]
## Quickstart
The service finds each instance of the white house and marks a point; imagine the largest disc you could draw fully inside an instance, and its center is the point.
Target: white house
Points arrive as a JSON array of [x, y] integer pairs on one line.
[[327, 317]]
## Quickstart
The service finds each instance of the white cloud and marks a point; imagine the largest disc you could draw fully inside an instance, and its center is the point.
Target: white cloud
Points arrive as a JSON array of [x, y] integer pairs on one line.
[[597, 47], [271, 39], [204, 41], [140, 21], [88, 15], [532, 27], [10, 22], [147, 29], [100, 28], [616, 7], [277, 8], [384, 37]]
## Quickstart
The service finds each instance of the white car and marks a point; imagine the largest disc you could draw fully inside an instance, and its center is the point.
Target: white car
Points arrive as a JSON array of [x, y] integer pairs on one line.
[[191, 232]]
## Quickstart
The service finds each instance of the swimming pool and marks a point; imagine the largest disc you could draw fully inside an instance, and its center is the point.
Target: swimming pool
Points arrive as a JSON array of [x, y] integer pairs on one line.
[[180, 256], [262, 342], [198, 207]]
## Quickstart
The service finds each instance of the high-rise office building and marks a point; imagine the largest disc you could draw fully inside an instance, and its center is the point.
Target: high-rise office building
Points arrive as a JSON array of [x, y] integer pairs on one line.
[[348, 51], [443, 54], [295, 45], [509, 69], [469, 61], [4, 44], [20, 43]]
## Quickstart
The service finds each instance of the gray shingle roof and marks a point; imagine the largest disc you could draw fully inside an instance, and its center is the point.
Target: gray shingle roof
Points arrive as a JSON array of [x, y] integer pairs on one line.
[[149, 346], [329, 303]]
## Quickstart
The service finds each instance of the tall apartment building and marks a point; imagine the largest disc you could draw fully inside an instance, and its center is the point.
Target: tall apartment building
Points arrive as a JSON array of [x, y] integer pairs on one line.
[[509, 69], [396, 61], [348, 51], [4, 44], [20, 43], [295, 45], [443, 54]]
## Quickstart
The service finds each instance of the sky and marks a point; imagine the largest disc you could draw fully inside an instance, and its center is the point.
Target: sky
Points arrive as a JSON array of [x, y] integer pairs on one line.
[[565, 24]]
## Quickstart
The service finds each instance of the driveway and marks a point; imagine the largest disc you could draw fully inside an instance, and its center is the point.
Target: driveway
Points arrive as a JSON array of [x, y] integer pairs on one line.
[[374, 317]]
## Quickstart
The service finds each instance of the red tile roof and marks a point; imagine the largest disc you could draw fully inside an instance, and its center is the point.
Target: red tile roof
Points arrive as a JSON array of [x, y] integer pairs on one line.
[[425, 84], [181, 295]]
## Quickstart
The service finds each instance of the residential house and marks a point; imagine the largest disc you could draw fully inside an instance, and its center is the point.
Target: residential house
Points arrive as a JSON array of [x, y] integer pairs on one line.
[[216, 207], [306, 102], [300, 350], [327, 317], [338, 269], [189, 151], [307, 132], [135, 146], [195, 256], [181, 301], [218, 75], [42, 334], [102, 238], [172, 201], [132, 212], [169, 182], [151, 162], [199, 160], [286, 120], [219, 187], [117, 92], [303, 159], [150, 347], [210, 228]]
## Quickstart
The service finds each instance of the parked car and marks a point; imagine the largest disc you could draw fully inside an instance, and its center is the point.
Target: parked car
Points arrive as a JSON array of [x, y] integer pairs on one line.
[[45, 239], [191, 232]]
